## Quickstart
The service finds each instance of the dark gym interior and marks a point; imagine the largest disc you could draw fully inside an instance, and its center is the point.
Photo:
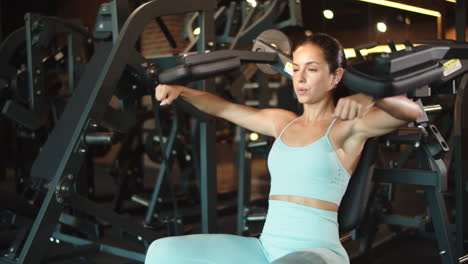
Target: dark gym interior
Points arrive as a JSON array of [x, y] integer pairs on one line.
[[93, 169]]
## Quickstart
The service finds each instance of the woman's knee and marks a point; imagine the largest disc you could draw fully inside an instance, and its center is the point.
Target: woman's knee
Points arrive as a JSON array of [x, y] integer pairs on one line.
[[301, 257], [161, 249]]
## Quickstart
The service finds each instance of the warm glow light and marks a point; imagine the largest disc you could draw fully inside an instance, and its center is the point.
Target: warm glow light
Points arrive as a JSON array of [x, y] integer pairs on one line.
[[328, 14], [404, 7], [196, 31], [451, 1], [254, 136], [351, 53], [252, 3], [381, 27]]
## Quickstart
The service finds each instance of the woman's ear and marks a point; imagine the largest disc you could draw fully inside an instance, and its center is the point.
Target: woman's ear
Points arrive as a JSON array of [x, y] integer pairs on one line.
[[337, 75]]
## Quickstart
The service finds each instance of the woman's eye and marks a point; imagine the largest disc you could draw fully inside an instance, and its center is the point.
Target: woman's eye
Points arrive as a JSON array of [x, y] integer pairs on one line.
[[295, 70]]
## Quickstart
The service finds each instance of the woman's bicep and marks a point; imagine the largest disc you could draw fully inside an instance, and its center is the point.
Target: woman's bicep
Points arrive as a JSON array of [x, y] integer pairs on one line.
[[263, 121]]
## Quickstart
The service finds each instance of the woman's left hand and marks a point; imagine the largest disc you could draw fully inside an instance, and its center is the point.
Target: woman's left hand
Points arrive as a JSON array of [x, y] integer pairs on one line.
[[353, 106]]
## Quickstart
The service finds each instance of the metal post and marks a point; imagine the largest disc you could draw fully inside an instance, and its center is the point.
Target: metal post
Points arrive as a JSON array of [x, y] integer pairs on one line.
[[42, 228], [244, 182], [29, 59], [264, 90], [62, 152], [460, 19], [1, 20], [119, 15], [70, 63], [441, 223], [459, 193], [208, 184]]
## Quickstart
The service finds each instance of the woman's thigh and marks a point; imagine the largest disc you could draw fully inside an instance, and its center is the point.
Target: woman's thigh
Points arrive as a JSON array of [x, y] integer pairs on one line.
[[312, 256], [206, 248]]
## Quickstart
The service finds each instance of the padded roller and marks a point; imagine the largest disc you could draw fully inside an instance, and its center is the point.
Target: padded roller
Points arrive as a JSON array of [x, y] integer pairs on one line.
[[193, 72], [364, 81]]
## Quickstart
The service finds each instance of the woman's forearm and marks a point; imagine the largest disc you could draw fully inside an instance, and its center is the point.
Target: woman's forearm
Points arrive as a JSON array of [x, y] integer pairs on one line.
[[205, 101], [399, 107]]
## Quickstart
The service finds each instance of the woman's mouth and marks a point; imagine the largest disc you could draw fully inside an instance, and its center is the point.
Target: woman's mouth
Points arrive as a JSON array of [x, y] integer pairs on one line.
[[301, 91]]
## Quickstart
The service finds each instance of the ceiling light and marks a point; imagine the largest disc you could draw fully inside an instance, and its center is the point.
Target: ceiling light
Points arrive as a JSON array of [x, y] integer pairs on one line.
[[404, 7], [351, 53], [381, 27], [254, 136], [328, 14], [196, 31], [252, 3]]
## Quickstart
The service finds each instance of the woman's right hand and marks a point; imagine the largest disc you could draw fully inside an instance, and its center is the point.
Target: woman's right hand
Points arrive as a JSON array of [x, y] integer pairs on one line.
[[167, 93]]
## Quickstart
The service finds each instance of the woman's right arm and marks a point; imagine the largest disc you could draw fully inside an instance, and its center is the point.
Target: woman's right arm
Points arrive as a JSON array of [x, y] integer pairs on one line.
[[264, 121]]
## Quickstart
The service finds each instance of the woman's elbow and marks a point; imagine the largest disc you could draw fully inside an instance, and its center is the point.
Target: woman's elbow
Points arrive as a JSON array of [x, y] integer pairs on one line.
[[414, 113]]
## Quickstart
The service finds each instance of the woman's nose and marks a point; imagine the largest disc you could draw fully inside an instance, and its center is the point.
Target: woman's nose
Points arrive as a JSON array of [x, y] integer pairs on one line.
[[299, 75]]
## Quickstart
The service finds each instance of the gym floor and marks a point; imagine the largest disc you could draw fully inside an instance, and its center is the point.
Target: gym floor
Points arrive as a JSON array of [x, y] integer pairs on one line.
[[406, 248]]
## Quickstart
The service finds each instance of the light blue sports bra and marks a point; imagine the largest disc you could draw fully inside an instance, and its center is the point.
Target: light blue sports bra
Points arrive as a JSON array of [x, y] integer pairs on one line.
[[312, 171]]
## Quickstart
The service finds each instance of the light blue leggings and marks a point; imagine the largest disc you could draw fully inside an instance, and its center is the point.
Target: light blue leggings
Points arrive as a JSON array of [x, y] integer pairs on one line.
[[292, 234]]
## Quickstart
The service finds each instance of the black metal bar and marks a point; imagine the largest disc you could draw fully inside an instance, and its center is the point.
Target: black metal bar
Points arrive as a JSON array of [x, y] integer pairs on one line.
[[64, 138], [164, 169], [73, 252], [244, 181], [122, 10], [1, 20], [38, 239], [441, 223], [460, 19], [459, 199], [250, 30], [208, 185], [407, 176], [62, 150], [29, 61], [244, 56], [70, 63], [116, 220], [166, 32], [102, 247]]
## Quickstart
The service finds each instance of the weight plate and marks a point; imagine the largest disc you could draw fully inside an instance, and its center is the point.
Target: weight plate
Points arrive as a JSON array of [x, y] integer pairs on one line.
[[276, 40]]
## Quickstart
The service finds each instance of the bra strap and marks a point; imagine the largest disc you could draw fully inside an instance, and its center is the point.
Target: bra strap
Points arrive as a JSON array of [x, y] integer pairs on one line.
[[330, 126], [284, 129]]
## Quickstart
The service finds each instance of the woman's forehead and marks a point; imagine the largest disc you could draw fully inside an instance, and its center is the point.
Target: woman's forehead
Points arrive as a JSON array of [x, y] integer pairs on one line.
[[308, 52]]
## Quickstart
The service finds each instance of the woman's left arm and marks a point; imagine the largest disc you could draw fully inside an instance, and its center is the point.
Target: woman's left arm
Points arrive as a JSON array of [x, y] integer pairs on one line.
[[377, 116]]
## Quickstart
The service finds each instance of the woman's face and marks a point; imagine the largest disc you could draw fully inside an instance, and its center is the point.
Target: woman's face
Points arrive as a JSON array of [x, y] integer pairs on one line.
[[312, 79]]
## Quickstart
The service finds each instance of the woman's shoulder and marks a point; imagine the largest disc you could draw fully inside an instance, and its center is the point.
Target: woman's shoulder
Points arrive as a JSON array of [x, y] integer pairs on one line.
[[281, 118]]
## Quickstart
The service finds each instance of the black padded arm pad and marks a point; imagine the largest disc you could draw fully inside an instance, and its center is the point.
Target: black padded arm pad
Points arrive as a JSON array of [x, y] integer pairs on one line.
[[363, 80], [193, 72]]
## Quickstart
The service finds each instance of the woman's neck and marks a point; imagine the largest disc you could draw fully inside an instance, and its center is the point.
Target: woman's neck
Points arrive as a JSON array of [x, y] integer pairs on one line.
[[322, 110]]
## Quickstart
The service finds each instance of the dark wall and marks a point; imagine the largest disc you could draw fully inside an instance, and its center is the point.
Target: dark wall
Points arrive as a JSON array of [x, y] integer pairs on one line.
[[12, 12], [83, 10], [2, 15]]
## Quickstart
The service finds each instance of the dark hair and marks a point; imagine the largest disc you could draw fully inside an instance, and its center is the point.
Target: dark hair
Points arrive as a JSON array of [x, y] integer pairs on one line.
[[334, 55]]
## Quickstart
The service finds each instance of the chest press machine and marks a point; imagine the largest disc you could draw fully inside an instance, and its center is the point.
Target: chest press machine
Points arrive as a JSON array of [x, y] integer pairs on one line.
[[403, 72], [64, 151], [393, 74], [62, 156], [388, 75]]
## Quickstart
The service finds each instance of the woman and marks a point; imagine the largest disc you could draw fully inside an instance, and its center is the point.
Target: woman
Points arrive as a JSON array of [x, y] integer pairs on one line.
[[310, 162]]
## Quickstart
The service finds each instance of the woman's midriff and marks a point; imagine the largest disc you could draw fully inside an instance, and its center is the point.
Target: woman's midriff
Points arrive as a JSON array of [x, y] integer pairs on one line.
[[315, 203]]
